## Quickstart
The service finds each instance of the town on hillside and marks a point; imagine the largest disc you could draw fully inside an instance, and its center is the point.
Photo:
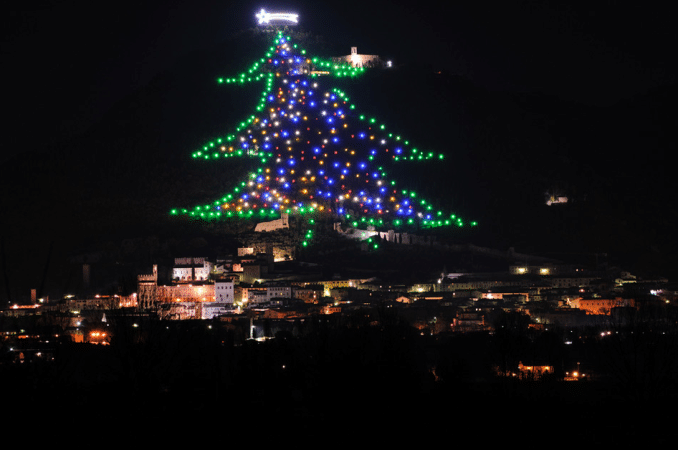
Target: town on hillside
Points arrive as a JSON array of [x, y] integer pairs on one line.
[[262, 290]]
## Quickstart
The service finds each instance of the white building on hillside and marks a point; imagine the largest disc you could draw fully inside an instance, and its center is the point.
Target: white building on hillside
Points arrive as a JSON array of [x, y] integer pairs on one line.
[[191, 269], [357, 60], [224, 291], [278, 224]]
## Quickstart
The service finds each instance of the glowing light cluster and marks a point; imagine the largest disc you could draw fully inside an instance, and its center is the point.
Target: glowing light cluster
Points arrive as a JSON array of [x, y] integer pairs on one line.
[[265, 18], [317, 155]]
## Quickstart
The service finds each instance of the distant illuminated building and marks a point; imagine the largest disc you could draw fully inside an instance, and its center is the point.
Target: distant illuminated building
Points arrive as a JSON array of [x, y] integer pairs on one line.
[[357, 60], [553, 200], [147, 290], [555, 197], [177, 311], [191, 269], [186, 293], [601, 306], [150, 294], [224, 291], [272, 225], [534, 371]]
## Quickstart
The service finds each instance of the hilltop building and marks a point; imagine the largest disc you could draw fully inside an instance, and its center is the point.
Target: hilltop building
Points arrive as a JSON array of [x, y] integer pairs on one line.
[[358, 60], [273, 225]]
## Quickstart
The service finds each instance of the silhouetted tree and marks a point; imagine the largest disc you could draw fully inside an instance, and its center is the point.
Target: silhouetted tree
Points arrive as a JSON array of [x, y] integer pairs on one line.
[[510, 339]]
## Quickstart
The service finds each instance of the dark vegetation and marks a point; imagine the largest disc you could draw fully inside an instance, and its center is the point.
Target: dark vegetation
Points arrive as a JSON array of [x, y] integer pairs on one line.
[[362, 368]]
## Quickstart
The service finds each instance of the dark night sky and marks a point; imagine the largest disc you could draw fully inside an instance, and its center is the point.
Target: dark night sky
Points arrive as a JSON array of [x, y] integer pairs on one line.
[[66, 62]]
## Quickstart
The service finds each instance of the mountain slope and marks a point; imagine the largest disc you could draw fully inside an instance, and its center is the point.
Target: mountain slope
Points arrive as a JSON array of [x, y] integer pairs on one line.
[[504, 152]]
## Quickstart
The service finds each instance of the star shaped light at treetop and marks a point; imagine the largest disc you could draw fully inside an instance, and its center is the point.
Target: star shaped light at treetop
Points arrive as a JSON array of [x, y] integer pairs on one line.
[[317, 154]]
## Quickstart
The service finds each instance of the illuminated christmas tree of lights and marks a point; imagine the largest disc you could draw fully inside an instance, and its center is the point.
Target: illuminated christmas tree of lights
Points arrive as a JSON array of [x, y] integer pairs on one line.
[[317, 154]]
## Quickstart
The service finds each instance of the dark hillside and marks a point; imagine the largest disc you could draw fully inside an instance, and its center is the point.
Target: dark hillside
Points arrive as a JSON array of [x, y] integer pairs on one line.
[[504, 152]]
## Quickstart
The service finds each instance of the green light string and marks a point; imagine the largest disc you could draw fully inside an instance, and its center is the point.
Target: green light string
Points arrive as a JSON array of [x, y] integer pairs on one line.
[[225, 147]]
